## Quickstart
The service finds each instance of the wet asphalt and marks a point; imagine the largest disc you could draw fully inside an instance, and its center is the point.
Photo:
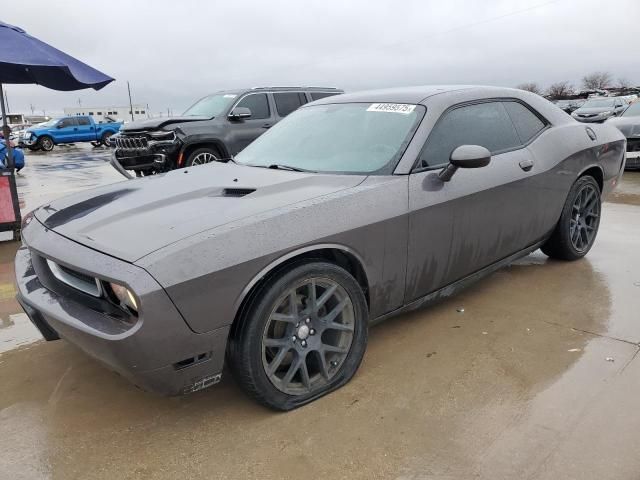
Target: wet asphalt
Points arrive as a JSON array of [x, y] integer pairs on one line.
[[532, 373]]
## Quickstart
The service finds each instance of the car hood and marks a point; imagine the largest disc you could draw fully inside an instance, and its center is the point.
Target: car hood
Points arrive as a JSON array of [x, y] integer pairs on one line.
[[131, 219], [629, 126], [154, 123]]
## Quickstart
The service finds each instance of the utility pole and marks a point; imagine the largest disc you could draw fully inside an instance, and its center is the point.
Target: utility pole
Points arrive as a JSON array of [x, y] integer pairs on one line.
[[79, 103], [6, 100], [32, 108], [130, 102]]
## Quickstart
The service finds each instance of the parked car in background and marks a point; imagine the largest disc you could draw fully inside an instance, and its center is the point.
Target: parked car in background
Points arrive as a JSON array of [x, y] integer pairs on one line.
[[72, 129], [569, 106], [350, 210], [214, 128], [599, 109], [629, 124]]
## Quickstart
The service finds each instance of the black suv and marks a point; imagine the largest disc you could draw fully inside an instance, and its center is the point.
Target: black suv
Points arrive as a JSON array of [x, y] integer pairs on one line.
[[214, 128]]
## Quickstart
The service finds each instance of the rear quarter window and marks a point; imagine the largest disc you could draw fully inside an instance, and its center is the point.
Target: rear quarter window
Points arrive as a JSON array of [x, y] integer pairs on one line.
[[527, 123], [319, 95]]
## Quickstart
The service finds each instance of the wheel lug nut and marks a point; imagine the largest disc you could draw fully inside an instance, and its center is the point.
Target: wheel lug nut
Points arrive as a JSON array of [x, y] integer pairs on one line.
[[303, 343], [334, 363], [294, 338], [308, 320], [312, 332]]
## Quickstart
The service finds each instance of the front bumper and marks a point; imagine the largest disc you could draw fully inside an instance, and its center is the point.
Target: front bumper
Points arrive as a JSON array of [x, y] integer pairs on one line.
[[596, 119], [158, 156], [155, 350]]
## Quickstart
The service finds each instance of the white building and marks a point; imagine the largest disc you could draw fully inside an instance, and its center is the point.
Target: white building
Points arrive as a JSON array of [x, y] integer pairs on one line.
[[117, 113]]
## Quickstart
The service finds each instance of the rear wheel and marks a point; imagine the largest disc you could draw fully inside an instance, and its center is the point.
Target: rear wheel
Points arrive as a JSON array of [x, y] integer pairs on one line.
[[45, 143], [577, 228], [303, 336], [200, 156]]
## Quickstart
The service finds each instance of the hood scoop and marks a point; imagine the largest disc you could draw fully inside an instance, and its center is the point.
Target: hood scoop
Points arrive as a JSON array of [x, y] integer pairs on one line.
[[237, 192]]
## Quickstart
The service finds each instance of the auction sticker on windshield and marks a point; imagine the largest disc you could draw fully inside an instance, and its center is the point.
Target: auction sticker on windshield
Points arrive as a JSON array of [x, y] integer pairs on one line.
[[391, 108]]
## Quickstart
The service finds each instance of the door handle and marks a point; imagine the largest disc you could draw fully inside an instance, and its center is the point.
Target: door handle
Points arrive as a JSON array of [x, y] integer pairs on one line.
[[526, 165], [266, 125]]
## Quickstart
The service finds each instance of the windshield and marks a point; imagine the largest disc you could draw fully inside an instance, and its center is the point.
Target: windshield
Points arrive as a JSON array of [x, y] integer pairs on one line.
[[348, 137], [600, 103], [633, 110], [211, 106], [49, 123]]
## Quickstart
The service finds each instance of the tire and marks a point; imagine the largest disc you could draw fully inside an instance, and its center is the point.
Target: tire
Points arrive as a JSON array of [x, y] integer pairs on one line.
[[45, 143], [577, 228], [273, 347], [33, 148], [200, 156], [104, 140]]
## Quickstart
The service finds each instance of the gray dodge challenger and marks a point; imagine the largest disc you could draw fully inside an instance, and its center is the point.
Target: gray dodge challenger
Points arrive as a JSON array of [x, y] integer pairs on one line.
[[352, 209]]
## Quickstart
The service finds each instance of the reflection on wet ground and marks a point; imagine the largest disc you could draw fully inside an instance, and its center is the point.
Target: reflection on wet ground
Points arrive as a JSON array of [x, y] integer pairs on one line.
[[531, 373]]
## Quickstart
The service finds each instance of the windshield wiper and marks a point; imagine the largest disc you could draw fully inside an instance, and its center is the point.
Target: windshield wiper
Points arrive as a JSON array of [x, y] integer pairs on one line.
[[277, 166]]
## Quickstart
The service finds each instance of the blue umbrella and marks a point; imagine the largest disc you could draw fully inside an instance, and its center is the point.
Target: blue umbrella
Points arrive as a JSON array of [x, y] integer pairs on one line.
[[25, 59]]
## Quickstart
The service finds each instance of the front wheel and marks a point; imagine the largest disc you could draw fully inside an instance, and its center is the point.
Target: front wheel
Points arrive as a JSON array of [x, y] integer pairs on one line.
[[202, 156], [46, 143], [577, 228], [105, 139], [303, 336]]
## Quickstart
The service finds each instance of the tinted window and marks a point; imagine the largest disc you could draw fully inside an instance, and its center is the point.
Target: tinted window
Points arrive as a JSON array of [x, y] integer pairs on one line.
[[287, 102], [527, 123], [319, 95], [83, 121], [67, 122], [258, 104], [484, 124]]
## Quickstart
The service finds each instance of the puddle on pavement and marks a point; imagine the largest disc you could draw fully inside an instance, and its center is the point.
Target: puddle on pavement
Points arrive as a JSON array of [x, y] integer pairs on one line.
[[17, 331]]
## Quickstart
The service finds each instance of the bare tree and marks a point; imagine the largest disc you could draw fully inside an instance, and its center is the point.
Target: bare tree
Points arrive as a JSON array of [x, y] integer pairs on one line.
[[560, 89], [530, 87], [596, 81], [624, 83]]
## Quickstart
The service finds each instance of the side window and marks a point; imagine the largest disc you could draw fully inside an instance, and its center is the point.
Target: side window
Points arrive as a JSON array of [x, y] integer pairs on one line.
[[287, 102], [67, 122], [527, 123], [319, 95], [83, 121], [258, 104], [485, 124]]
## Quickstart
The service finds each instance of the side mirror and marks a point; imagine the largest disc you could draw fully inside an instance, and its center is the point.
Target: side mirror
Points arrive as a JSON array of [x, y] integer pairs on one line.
[[239, 113], [465, 156], [59, 125]]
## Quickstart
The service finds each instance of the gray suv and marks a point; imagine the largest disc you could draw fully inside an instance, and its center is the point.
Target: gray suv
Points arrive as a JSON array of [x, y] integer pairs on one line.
[[216, 127]]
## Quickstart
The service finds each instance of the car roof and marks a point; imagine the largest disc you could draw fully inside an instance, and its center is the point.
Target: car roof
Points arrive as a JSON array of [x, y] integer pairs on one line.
[[414, 95], [240, 91]]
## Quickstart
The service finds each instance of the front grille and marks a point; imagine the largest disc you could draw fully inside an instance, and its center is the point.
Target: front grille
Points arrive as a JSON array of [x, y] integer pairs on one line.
[[633, 145], [131, 143], [586, 115]]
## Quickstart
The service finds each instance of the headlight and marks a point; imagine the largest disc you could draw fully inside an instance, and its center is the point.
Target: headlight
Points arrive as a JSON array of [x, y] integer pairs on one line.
[[162, 135], [607, 113], [574, 114], [124, 296], [26, 220]]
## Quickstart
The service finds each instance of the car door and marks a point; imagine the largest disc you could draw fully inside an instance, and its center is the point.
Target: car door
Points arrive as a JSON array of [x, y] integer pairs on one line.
[[481, 215], [66, 130], [245, 130], [86, 131]]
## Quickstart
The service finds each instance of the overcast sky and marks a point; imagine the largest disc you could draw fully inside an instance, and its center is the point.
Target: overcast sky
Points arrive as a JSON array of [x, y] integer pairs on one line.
[[173, 52]]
